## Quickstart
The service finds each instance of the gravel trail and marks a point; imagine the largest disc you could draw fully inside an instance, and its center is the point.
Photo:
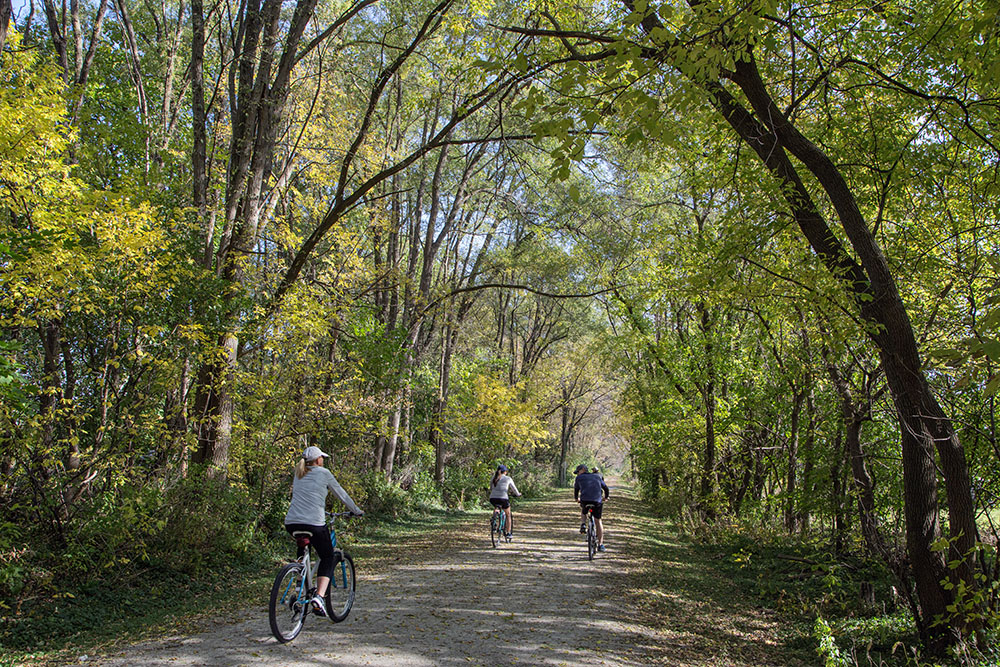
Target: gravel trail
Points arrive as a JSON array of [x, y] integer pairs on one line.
[[458, 601], [454, 600]]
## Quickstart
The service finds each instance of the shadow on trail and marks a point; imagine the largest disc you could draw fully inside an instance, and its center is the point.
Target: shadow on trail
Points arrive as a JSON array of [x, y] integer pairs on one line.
[[703, 616]]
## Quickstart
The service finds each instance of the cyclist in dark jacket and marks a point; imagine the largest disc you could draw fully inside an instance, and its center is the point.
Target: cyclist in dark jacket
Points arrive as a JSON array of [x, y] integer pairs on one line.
[[591, 491]]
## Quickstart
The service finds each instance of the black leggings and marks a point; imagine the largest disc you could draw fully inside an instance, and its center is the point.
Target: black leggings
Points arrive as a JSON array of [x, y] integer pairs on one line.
[[321, 543]]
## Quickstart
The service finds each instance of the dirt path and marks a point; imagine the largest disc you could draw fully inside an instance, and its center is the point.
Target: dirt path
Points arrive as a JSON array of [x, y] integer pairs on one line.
[[456, 601]]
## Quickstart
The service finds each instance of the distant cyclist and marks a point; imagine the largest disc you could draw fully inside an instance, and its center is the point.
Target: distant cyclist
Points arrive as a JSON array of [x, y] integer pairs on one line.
[[500, 488], [591, 492]]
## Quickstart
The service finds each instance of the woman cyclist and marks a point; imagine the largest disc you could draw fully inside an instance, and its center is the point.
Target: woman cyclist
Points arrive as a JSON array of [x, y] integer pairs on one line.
[[307, 513], [500, 488]]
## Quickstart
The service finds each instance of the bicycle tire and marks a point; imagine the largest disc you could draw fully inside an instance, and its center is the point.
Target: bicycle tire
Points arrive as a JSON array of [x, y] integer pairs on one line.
[[591, 537], [289, 604], [494, 529], [340, 593]]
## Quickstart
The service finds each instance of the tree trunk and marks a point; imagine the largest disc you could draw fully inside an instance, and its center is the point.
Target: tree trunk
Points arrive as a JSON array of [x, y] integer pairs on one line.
[[436, 434], [565, 436], [214, 410], [389, 453], [199, 150], [708, 473], [837, 493], [5, 13], [379, 452], [922, 423], [808, 457], [791, 474], [853, 419], [48, 398]]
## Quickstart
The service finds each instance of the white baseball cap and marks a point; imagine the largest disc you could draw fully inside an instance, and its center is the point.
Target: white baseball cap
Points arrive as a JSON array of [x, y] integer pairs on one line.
[[312, 453]]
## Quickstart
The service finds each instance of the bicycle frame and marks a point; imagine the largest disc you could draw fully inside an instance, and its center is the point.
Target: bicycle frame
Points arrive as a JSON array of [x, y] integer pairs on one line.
[[338, 553], [309, 580], [591, 533], [501, 517], [498, 526]]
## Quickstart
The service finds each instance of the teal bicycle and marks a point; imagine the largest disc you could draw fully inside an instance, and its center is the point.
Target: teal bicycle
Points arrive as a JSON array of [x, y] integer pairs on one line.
[[295, 585], [498, 527]]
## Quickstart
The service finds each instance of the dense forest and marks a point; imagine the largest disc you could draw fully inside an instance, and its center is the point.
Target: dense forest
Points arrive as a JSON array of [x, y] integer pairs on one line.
[[744, 251]]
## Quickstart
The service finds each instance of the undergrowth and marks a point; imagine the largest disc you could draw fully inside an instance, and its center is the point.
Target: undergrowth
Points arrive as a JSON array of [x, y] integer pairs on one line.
[[850, 604]]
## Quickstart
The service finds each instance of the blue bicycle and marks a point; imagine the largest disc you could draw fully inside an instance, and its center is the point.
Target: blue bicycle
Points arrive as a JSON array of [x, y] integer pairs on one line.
[[295, 585], [498, 525]]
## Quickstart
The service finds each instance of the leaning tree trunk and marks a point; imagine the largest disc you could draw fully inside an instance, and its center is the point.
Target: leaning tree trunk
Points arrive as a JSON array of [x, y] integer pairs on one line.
[[869, 281], [922, 422]]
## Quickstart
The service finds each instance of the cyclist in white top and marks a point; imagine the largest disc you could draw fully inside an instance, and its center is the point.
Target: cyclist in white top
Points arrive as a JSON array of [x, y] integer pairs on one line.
[[307, 513], [500, 488]]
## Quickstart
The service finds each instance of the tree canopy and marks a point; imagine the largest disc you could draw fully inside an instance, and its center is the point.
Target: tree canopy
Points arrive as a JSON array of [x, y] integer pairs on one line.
[[743, 251]]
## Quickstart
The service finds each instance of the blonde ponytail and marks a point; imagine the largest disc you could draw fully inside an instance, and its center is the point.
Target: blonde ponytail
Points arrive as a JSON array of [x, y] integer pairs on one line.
[[300, 469]]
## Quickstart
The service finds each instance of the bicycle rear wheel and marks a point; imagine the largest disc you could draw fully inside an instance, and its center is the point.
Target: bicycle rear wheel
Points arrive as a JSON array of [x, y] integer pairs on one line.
[[289, 601], [591, 537], [340, 594], [494, 529]]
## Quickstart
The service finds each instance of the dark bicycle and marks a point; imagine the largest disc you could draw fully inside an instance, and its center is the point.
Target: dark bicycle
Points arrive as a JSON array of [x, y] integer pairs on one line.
[[591, 531]]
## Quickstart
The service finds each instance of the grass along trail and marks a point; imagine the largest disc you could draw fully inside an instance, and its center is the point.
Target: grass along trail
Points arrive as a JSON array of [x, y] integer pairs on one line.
[[451, 599]]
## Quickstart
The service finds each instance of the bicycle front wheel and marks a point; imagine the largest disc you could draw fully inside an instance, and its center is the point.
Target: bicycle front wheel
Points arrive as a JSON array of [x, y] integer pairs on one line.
[[340, 594], [289, 598]]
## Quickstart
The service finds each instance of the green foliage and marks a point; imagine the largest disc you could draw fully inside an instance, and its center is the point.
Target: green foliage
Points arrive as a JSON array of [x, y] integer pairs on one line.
[[376, 354], [181, 537], [533, 480], [382, 497], [490, 412], [712, 327], [804, 580], [204, 524], [827, 648], [465, 488], [14, 388]]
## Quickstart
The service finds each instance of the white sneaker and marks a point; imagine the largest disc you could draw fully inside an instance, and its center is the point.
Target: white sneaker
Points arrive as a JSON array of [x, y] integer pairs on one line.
[[319, 606]]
